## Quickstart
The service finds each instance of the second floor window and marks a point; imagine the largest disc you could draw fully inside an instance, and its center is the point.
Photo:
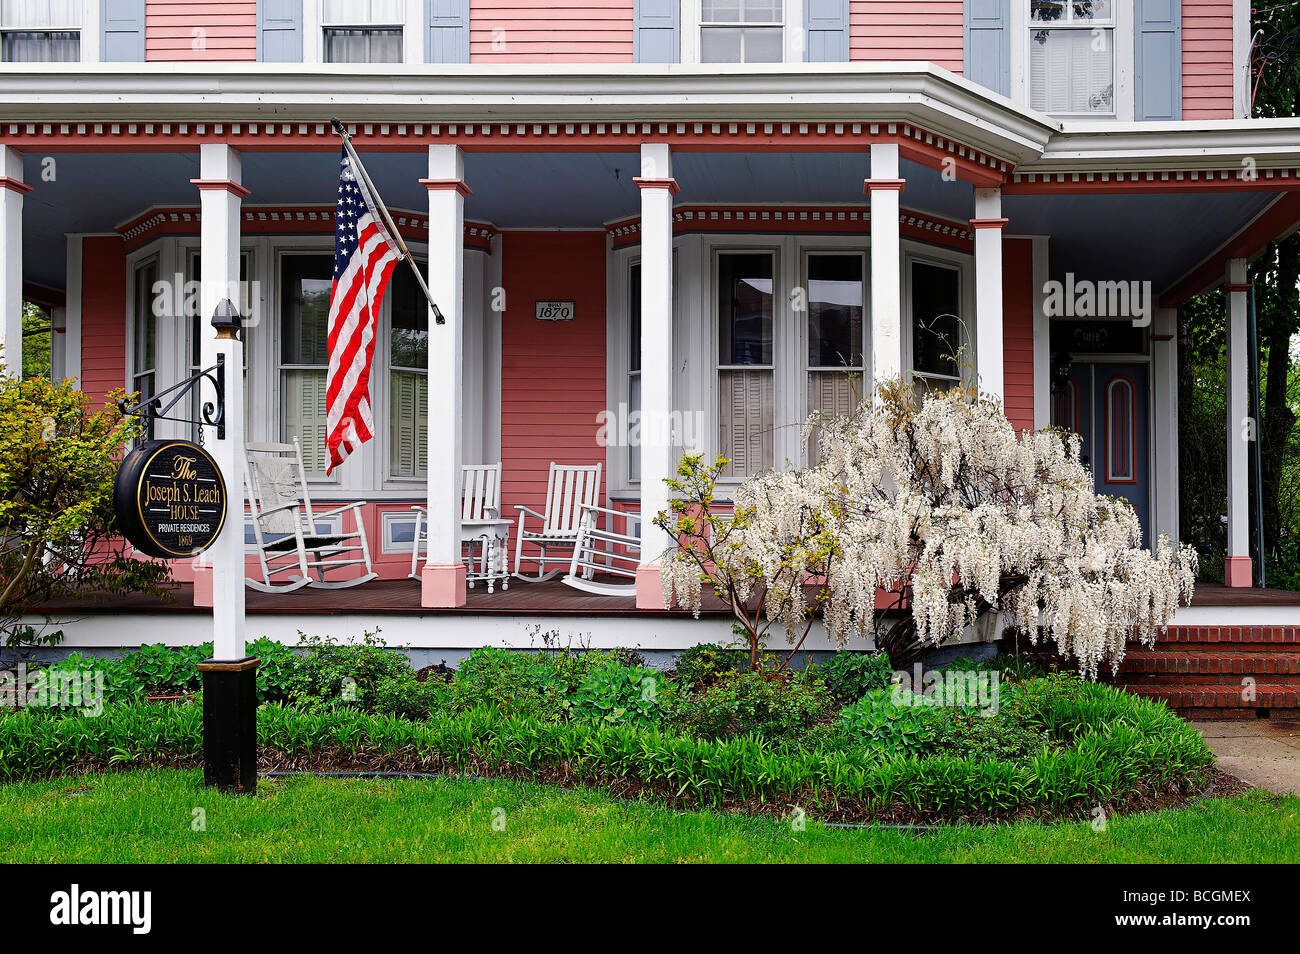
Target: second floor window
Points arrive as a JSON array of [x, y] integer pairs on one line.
[[40, 31], [1072, 56], [363, 31], [742, 31]]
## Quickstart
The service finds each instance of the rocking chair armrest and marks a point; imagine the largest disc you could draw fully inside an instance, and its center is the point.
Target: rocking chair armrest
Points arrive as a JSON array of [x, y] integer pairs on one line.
[[527, 510], [593, 509], [262, 515], [338, 510]]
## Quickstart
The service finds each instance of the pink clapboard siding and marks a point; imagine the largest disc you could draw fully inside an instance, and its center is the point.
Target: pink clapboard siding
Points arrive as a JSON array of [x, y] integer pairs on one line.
[[103, 316], [927, 30], [1018, 332], [534, 31], [200, 30], [1207, 59], [552, 372]]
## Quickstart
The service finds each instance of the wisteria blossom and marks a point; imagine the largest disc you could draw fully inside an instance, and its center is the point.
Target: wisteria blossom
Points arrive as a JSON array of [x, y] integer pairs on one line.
[[943, 505]]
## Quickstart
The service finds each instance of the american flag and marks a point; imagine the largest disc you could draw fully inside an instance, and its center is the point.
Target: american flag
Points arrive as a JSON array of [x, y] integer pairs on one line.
[[364, 258]]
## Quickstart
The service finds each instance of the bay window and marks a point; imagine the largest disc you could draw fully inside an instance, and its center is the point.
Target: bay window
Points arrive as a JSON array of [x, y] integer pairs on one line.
[[935, 294], [742, 31], [746, 370], [305, 282], [362, 31], [1072, 56], [408, 374], [41, 31], [144, 331], [634, 364]]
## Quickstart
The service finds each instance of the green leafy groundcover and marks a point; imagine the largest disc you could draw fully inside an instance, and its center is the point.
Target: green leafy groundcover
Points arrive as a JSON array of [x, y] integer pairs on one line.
[[1122, 752]]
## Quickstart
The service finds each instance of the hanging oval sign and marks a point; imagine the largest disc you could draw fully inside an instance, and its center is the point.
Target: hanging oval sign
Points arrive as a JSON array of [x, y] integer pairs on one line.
[[170, 499]]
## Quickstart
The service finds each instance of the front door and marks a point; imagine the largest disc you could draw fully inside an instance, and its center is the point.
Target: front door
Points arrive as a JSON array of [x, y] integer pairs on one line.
[[1106, 405]]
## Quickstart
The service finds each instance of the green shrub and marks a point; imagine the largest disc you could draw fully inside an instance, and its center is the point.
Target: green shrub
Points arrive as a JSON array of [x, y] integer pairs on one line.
[[329, 674], [278, 673], [762, 703], [888, 728], [849, 676], [404, 696], [702, 664], [620, 695]]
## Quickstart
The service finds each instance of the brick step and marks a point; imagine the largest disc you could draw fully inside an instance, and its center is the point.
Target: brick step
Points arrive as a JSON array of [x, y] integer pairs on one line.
[[1175, 667], [1251, 638], [1266, 696]]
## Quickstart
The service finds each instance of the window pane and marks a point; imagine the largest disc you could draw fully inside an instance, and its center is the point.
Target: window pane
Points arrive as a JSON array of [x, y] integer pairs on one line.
[[634, 318], [835, 311], [409, 335], [41, 47], [197, 325], [720, 45], [634, 447], [1092, 9], [305, 282], [303, 395], [408, 446], [39, 14], [762, 11], [1070, 73], [763, 46], [363, 46], [720, 11], [363, 11], [146, 321], [1047, 11], [936, 330], [746, 421], [745, 308], [741, 11]]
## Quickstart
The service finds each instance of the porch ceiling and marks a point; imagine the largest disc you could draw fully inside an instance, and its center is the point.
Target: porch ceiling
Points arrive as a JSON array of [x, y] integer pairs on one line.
[[1132, 237]]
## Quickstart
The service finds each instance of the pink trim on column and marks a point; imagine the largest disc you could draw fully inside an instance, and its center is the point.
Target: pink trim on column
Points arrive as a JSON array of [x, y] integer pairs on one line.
[[221, 185], [883, 185], [14, 185], [202, 583], [649, 591], [989, 223], [457, 184], [1238, 571], [442, 585], [647, 183], [1233, 287]]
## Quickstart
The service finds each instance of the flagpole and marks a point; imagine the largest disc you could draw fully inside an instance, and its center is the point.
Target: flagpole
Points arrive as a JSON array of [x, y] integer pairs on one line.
[[388, 219]]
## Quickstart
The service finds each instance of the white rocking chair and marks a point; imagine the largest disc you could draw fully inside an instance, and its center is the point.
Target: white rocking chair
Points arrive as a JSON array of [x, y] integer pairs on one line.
[[569, 490], [604, 550], [481, 527], [288, 531]]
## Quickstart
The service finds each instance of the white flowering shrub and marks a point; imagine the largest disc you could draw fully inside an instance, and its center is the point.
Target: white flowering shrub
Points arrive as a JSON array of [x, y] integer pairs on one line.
[[943, 506]]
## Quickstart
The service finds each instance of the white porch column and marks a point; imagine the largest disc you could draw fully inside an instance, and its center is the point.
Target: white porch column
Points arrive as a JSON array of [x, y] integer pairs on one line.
[[219, 577], [1164, 392], [1238, 570], [988, 225], [657, 190], [885, 189], [442, 581], [12, 190]]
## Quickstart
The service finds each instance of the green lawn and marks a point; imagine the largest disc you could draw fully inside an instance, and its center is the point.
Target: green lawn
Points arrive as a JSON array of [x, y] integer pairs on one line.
[[148, 816]]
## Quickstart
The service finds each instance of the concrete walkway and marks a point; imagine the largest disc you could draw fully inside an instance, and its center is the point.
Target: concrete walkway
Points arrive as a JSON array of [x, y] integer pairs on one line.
[[1262, 752]]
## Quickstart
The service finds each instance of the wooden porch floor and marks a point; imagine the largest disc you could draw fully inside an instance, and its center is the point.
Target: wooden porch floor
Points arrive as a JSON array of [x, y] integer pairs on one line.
[[553, 598]]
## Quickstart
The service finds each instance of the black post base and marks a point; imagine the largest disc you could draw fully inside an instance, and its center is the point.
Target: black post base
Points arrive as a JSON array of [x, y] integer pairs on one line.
[[230, 724]]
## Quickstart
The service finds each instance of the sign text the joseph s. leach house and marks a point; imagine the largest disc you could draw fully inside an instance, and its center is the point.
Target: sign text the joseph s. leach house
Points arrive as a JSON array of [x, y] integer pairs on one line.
[[170, 498]]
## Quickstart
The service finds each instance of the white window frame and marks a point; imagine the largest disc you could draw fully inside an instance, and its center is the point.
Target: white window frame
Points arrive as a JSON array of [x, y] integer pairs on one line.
[[87, 33], [314, 25], [1122, 51], [964, 265], [793, 40], [863, 369]]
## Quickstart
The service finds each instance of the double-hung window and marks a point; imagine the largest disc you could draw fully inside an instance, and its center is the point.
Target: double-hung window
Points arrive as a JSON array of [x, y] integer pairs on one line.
[[835, 303], [936, 297], [408, 377], [144, 331], [305, 282], [746, 369], [742, 31], [41, 31], [363, 31], [1072, 56], [634, 364]]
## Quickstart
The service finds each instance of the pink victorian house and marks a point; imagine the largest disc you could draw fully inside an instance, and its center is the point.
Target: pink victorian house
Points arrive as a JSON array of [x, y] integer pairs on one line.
[[721, 213]]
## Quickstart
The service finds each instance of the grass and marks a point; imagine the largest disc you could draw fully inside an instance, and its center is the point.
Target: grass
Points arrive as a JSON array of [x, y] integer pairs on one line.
[[147, 816]]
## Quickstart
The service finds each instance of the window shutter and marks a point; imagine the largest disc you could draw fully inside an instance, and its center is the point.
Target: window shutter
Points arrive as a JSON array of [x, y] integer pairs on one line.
[[1158, 68], [826, 31], [448, 28], [122, 25], [304, 417], [747, 421], [279, 31], [988, 43], [656, 31]]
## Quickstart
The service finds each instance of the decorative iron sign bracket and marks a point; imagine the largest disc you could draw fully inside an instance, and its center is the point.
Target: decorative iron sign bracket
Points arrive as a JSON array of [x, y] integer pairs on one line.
[[213, 414]]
